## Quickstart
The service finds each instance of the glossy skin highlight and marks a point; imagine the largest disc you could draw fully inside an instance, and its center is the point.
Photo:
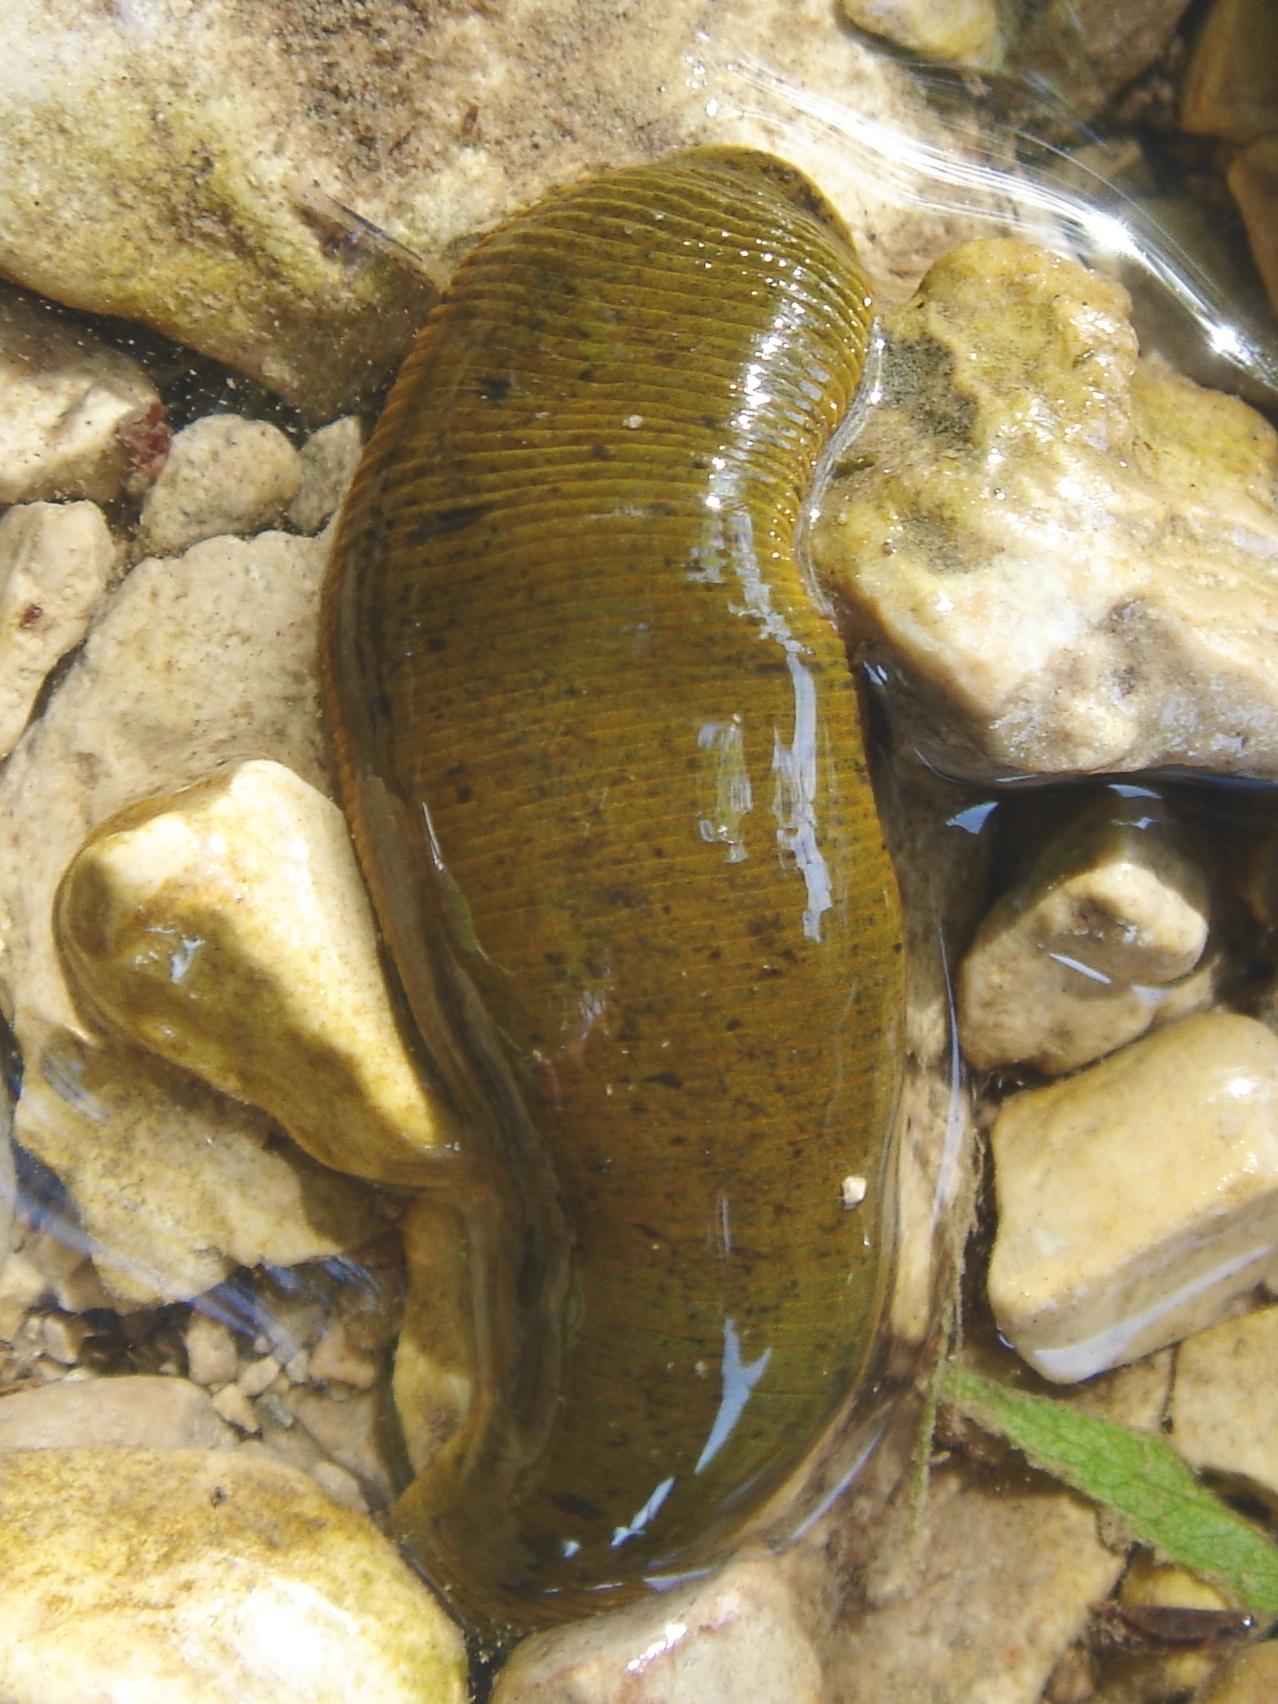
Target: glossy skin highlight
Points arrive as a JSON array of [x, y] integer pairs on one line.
[[600, 749]]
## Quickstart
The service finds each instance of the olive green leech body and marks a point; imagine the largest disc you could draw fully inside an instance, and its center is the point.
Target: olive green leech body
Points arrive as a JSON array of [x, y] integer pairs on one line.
[[600, 748]]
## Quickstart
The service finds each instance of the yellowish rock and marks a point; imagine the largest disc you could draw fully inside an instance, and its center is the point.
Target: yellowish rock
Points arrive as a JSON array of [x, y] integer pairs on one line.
[[1161, 1672], [224, 476], [959, 32], [227, 929], [1079, 956], [1250, 1677], [206, 1577], [1231, 83], [1072, 553], [55, 561], [1138, 1198], [63, 397], [1225, 1403]]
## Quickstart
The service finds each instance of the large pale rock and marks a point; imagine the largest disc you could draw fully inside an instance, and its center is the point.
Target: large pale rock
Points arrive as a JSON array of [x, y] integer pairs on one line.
[[1091, 942], [206, 1577], [224, 475], [220, 146], [228, 930], [193, 663], [1231, 82], [63, 399], [55, 561], [737, 1636], [1074, 554], [1137, 1199], [1224, 1408], [135, 1412], [1004, 1578]]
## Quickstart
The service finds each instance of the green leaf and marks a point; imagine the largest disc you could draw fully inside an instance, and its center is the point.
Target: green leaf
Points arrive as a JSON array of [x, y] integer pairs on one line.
[[1139, 1476]]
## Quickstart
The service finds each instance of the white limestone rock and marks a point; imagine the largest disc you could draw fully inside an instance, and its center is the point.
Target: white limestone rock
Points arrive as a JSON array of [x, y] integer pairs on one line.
[[1072, 553], [221, 147], [1224, 1410], [64, 397], [329, 458], [206, 1577], [134, 1412], [55, 562], [193, 663], [734, 1637], [1138, 1198], [224, 476], [228, 930], [1091, 944]]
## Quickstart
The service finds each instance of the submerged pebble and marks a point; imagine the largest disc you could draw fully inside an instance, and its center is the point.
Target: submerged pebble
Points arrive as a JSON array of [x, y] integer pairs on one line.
[[224, 476], [227, 930], [1137, 1198], [1092, 943]]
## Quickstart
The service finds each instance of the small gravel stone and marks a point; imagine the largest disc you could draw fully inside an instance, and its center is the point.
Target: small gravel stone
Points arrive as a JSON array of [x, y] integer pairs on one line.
[[225, 475], [232, 1404], [210, 1351], [335, 1358], [959, 32], [329, 458], [255, 1377], [62, 1336]]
